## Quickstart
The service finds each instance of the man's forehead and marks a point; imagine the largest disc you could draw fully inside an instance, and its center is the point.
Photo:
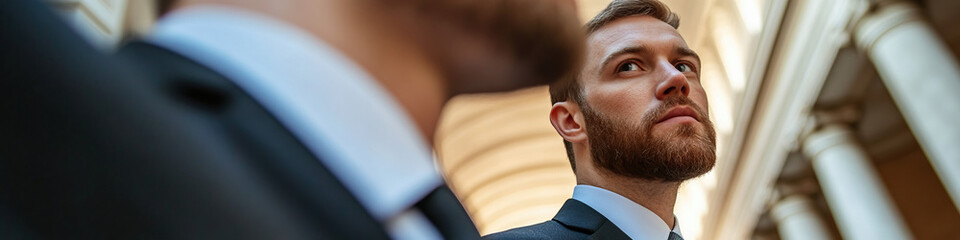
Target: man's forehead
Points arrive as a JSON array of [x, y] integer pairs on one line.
[[634, 31]]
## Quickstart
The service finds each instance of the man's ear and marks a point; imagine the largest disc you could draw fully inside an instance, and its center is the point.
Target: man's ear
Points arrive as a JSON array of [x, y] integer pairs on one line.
[[567, 119]]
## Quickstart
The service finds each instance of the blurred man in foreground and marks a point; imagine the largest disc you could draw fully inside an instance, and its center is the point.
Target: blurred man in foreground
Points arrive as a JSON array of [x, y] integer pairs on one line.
[[280, 119], [635, 126]]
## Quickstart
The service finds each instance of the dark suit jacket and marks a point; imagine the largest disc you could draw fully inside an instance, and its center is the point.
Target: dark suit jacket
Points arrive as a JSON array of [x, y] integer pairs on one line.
[[149, 144], [575, 220]]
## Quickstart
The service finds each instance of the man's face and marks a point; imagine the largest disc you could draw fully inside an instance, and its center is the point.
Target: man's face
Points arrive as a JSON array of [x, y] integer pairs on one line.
[[644, 107]]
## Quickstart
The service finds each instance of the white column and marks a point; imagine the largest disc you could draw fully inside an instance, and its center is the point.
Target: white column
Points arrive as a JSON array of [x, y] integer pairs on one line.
[[923, 77], [857, 198], [797, 219]]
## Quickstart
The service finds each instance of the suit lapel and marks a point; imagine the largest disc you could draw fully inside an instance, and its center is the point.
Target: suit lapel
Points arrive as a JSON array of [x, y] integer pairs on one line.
[[280, 161], [607, 231], [577, 216], [443, 209]]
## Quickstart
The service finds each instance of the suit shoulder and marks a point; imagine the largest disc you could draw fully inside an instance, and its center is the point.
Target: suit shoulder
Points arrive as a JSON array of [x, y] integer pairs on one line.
[[545, 230]]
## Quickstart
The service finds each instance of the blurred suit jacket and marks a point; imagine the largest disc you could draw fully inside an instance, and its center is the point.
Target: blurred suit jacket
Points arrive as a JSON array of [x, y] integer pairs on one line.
[[149, 144]]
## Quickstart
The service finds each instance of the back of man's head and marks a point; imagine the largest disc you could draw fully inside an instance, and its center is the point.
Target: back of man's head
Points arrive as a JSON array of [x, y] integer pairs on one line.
[[540, 37]]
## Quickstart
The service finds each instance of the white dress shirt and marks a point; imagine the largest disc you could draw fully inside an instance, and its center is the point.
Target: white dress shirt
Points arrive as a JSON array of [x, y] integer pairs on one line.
[[329, 103], [638, 222]]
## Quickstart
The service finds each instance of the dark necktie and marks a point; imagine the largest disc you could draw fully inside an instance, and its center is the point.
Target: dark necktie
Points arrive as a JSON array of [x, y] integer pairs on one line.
[[674, 236], [443, 209]]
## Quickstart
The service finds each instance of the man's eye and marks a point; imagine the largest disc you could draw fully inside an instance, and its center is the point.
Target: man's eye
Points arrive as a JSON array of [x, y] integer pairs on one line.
[[628, 67], [683, 67]]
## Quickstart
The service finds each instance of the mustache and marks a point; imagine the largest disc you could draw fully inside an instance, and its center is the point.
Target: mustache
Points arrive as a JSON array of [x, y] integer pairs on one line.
[[653, 116]]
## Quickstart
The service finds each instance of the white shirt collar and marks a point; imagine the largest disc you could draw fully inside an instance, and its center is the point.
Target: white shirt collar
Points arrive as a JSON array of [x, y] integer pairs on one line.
[[338, 111], [638, 222]]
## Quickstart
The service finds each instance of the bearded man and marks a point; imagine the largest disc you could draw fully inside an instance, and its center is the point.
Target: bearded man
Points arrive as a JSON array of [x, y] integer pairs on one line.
[[635, 125], [248, 119]]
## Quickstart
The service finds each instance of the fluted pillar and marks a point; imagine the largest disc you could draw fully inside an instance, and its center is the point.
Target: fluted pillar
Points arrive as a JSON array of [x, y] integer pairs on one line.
[[923, 77], [857, 198], [797, 219]]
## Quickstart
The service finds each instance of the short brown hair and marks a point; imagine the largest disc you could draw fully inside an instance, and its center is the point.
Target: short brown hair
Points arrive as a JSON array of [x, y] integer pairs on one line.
[[569, 87]]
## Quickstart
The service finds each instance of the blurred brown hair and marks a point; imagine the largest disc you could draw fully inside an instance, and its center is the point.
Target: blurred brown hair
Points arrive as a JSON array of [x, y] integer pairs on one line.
[[164, 6], [569, 87], [542, 35]]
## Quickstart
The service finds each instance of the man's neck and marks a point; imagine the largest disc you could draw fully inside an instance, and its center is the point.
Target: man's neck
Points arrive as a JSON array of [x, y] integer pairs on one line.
[[374, 39], [657, 196]]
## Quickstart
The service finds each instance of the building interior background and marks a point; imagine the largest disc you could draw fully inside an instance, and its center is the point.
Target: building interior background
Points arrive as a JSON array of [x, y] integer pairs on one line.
[[836, 119]]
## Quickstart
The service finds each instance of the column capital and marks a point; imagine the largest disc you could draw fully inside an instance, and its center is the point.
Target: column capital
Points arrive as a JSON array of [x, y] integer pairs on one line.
[[797, 218], [828, 136], [920, 72], [791, 205], [851, 186], [887, 16]]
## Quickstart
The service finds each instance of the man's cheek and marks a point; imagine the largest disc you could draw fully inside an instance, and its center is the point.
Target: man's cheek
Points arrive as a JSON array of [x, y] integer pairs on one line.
[[701, 99]]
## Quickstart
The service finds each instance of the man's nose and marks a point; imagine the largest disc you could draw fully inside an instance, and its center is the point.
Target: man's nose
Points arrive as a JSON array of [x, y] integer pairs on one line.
[[674, 83]]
